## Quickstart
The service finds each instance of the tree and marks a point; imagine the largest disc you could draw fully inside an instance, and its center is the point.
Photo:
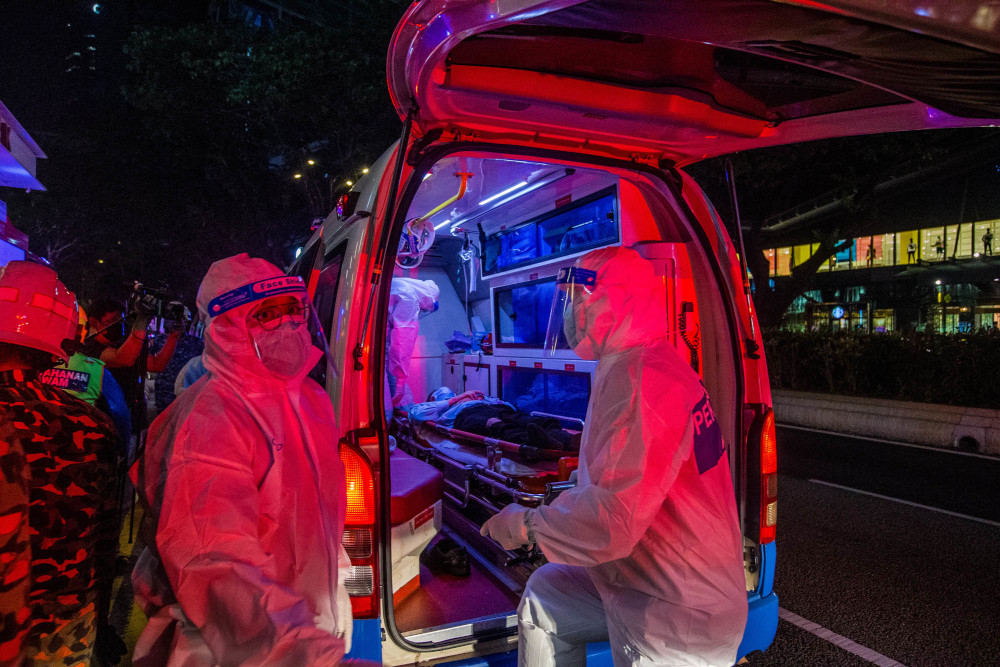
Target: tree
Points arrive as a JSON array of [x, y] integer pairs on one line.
[[225, 114]]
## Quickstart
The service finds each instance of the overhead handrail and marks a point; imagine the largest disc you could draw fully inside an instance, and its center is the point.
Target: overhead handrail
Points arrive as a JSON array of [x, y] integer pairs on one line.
[[465, 176]]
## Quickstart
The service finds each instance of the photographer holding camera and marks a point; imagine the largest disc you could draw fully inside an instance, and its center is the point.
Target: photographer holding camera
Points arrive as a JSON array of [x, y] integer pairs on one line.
[[127, 355]]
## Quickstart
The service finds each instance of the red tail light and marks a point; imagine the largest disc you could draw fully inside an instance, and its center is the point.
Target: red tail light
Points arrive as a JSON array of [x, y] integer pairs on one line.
[[359, 533], [768, 479]]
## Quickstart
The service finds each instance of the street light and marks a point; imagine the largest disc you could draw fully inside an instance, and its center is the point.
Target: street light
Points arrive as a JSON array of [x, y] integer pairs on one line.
[[350, 183], [365, 170], [310, 161], [297, 176]]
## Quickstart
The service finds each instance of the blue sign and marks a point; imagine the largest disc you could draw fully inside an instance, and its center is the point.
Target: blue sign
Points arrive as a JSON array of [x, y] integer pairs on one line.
[[255, 292], [837, 313], [708, 445]]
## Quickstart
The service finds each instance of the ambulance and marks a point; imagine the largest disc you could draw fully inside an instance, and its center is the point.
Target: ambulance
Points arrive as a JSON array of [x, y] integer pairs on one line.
[[534, 131]]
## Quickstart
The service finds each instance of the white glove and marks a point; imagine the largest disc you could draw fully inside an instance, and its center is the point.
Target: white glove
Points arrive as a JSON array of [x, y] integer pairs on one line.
[[345, 617], [509, 528]]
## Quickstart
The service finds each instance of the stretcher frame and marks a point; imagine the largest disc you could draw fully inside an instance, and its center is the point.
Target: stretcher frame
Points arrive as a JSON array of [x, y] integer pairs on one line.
[[461, 478]]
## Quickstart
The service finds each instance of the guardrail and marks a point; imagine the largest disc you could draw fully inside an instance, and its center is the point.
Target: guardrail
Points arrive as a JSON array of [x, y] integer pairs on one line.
[[945, 426]]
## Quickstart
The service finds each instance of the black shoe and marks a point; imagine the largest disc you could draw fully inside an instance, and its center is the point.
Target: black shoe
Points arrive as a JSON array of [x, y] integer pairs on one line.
[[446, 557]]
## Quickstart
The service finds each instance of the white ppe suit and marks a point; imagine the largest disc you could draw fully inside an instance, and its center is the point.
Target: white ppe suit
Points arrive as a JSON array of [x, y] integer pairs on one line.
[[245, 497], [408, 298], [646, 550]]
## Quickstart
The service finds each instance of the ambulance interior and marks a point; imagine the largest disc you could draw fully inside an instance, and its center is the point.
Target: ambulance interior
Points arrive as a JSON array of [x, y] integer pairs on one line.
[[492, 234]]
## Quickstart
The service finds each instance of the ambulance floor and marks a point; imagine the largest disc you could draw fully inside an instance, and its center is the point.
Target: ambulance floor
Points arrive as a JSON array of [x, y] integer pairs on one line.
[[443, 599]]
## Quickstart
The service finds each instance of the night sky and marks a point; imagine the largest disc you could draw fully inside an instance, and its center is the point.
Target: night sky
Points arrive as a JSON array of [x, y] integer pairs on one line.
[[60, 109]]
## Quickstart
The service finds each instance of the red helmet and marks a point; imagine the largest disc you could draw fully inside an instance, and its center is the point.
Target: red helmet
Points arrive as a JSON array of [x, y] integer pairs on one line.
[[36, 310]]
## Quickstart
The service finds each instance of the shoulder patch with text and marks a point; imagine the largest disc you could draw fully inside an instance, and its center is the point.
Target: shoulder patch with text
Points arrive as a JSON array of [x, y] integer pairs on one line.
[[708, 447], [64, 378]]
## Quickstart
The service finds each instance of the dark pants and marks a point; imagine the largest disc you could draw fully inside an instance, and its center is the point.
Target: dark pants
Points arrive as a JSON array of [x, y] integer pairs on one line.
[[505, 423]]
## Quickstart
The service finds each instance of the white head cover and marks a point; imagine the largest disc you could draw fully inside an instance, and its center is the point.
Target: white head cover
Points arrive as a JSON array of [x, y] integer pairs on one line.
[[230, 290], [610, 300]]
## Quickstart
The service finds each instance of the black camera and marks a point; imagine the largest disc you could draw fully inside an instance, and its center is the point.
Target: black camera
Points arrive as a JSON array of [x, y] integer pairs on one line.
[[147, 301]]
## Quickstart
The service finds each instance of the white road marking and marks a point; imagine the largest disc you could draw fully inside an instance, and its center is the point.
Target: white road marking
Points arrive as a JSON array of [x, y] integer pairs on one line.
[[943, 450], [906, 502], [843, 642]]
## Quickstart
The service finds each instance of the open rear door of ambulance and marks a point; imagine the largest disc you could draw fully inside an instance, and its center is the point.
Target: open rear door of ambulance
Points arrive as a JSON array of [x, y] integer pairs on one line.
[[683, 80]]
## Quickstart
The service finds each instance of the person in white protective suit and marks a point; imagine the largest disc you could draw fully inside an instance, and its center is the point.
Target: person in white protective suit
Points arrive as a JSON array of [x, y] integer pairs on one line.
[[646, 550], [244, 491], [408, 298]]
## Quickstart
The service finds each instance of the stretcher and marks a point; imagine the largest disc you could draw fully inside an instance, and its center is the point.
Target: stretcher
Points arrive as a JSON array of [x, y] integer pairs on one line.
[[486, 471]]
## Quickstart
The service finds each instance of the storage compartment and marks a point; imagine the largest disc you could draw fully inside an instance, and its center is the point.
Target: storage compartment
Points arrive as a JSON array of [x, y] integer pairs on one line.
[[563, 393], [415, 514], [477, 376]]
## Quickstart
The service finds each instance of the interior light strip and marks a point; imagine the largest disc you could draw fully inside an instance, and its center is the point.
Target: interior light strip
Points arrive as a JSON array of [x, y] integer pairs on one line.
[[505, 192]]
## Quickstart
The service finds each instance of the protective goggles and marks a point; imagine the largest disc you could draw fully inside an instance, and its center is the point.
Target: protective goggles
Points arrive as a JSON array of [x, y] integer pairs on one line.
[[573, 284], [271, 317]]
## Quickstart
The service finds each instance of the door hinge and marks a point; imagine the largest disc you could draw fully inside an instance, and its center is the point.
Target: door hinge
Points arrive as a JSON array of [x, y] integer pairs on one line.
[[646, 159], [461, 134]]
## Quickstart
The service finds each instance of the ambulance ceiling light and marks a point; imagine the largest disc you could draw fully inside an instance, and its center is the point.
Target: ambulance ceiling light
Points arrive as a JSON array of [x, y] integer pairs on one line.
[[439, 226], [545, 180], [502, 193]]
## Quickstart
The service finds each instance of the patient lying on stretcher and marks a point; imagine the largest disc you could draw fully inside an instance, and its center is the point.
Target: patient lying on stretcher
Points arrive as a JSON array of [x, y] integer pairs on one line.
[[484, 415]]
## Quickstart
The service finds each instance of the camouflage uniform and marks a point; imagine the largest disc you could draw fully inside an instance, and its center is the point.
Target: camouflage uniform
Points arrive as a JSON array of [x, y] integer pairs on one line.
[[15, 549], [71, 452]]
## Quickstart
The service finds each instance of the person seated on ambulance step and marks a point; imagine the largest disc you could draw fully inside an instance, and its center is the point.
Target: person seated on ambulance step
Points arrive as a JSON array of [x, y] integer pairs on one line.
[[646, 551], [244, 491], [59, 525], [484, 415]]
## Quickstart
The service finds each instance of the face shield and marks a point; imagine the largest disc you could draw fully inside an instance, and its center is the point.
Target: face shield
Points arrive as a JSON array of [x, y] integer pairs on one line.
[[573, 286], [282, 325]]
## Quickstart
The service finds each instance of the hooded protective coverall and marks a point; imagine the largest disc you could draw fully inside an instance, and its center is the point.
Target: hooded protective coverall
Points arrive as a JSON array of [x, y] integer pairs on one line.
[[408, 298], [245, 498], [646, 549]]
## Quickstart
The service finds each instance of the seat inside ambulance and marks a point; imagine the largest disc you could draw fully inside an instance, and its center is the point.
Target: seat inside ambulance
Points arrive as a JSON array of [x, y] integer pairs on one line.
[[473, 281]]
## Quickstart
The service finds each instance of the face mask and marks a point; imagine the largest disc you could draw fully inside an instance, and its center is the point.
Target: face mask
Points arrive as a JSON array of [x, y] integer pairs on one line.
[[284, 351]]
